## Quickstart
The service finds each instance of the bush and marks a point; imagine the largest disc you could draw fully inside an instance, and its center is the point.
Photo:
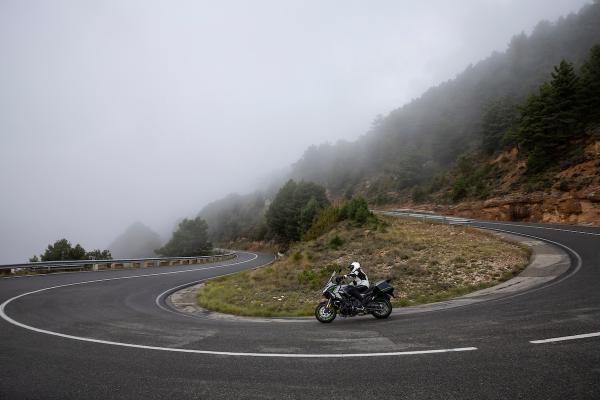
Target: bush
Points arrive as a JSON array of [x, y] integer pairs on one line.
[[459, 189], [323, 222], [418, 195], [336, 242], [356, 210]]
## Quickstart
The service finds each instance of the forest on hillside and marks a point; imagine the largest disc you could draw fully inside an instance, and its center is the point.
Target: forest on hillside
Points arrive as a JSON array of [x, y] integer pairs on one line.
[[540, 96], [419, 142]]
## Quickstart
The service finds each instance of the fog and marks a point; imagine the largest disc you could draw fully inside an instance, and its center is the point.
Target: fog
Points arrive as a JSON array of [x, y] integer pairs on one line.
[[120, 111]]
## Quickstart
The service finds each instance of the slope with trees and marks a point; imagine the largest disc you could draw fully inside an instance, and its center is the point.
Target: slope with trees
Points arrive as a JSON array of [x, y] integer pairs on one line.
[[414, 147], [518, 122]]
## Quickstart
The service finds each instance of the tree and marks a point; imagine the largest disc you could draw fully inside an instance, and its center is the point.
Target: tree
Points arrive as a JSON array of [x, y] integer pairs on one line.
[[99, 255], [63, 250], [565, 105], [190, 239], [293, 209], [549, 118], [590, 86], [307, 214], [499, 116]]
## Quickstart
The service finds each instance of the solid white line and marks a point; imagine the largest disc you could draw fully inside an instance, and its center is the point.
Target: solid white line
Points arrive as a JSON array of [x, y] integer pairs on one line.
[[561, 339], [222, 353], [538, 227], [179, 350], [173, 289], [568, 275], [157, 299], [225, 353]]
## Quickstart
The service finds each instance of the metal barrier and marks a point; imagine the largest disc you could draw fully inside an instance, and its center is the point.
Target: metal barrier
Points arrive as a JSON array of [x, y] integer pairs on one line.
[[97, 265], [425, 215]]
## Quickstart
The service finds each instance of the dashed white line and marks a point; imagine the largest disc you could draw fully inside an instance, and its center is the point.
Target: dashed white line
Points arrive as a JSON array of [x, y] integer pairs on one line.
[[564, 338]]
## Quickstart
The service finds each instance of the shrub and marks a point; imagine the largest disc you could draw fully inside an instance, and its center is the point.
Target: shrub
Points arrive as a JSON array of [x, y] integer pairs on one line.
[[418, 195], [459, 189], [336, 242]]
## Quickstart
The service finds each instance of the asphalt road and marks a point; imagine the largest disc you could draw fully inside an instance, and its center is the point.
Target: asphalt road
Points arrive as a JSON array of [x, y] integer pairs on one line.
[[98, 335]]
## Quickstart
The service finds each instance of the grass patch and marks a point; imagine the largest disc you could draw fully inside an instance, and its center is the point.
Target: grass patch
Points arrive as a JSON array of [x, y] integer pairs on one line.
[[427, 262]]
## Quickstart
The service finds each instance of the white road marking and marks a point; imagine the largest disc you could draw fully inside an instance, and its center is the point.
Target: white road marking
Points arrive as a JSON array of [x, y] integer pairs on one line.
[[226, 353], [157, 300], [546, 285], [194, 351], [563, 338], [173, 289], [538, 227]]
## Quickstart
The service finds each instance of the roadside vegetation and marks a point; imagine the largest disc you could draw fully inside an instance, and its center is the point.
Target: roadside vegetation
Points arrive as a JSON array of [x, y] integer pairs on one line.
[[426, 262], [63, 250]]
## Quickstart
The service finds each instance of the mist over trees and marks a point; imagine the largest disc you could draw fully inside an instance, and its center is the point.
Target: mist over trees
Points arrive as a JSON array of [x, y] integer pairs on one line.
[[190, 239], [419, 142], [538, 95], [236, 216]]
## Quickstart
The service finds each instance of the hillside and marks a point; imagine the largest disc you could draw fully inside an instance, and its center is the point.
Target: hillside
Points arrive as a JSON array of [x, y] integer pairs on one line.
[[420, 143], [138, 241], [426, 262], [513, 137]]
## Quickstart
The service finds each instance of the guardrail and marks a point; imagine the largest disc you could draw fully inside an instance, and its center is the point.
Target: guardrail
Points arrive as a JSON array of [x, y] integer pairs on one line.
[[97, 265], [425, 215]]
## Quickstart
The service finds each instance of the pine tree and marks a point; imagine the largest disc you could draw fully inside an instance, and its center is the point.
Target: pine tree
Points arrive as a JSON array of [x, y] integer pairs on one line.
[[499, 116], [565, 107], [550, 117], [292, 211], [590, 86], [189, 240]]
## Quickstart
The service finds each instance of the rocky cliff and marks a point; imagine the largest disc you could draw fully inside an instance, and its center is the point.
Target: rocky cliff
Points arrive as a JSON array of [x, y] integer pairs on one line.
[[573, 196]]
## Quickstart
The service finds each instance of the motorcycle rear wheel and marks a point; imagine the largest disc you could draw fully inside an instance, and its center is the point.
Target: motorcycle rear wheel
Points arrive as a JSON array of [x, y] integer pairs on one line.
[[385, 311], [323, 314]]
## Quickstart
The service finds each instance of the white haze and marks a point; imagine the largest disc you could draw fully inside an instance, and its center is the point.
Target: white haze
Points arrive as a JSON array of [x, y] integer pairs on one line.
[[118, 111]]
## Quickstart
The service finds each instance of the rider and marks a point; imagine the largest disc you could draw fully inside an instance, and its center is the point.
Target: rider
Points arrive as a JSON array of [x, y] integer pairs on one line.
[[360, 281]]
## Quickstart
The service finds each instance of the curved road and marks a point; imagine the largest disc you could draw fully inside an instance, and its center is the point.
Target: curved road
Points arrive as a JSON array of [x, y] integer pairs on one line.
[[109, 335]]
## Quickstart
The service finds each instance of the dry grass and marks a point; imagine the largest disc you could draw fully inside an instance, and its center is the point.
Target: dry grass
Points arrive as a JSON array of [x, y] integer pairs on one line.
[[427, 262]]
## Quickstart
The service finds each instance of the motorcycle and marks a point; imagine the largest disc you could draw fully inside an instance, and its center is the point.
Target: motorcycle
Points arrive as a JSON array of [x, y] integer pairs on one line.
[[376, 300]]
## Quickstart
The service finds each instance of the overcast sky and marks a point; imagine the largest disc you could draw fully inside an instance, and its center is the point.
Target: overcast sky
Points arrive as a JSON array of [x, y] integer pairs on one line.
[[118, 111]]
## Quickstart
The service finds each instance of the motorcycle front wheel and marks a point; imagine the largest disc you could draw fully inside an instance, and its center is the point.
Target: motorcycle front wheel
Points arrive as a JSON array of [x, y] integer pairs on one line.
[[324, 314], [384, 310]]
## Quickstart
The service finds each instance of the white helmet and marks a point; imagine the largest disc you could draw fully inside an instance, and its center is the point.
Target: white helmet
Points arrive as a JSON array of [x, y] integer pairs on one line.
[[354, 267]]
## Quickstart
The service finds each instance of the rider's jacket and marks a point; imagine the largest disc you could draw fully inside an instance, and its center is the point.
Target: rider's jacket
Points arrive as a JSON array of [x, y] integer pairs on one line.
[[359, 278]]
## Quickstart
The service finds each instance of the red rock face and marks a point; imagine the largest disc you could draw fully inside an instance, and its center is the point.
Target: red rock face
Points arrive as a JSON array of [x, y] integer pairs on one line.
[[574, 195]]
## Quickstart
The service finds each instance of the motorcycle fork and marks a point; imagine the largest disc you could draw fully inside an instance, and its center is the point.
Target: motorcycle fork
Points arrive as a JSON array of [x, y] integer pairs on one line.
[[328, 306]]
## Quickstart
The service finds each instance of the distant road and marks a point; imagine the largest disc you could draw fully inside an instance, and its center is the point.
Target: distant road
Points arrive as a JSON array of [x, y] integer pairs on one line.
[[98, 335]]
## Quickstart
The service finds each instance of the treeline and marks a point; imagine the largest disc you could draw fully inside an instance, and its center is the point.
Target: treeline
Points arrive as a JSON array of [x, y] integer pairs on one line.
[[416, 145], [298, 211], [63, 250], [558, 112], [189, 239], [236, 216], [438, 141], [548, 128]]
